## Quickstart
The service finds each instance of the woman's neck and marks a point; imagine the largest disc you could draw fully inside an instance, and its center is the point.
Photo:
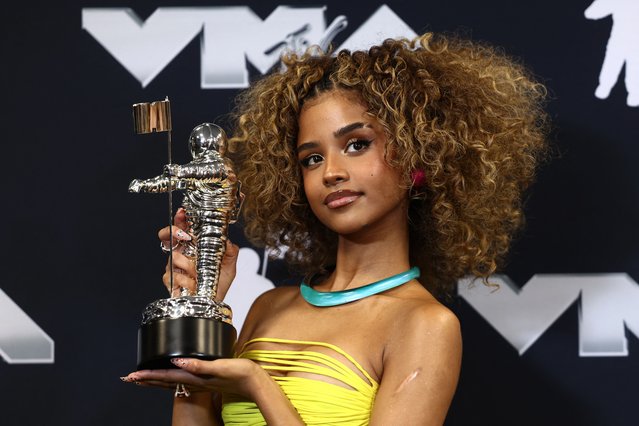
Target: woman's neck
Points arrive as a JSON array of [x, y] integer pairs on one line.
[[369, 256]]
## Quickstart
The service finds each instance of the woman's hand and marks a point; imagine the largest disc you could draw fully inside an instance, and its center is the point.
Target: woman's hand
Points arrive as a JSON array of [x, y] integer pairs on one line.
[[184, 272], [235, 376], [227, 375]]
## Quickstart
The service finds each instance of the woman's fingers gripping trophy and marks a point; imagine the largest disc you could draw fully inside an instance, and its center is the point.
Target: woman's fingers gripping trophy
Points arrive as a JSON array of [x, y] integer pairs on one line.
[[184, 273], [184, 266]]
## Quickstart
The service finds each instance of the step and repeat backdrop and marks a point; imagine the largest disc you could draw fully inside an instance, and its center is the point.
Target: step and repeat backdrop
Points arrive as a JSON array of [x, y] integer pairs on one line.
[[556, 345]]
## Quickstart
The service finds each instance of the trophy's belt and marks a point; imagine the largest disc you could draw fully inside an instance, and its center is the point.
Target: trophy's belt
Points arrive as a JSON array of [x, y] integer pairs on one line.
[[187, 306]]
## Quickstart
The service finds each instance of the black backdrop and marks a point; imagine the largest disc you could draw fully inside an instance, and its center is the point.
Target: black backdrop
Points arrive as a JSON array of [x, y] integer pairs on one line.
[[80, 255]]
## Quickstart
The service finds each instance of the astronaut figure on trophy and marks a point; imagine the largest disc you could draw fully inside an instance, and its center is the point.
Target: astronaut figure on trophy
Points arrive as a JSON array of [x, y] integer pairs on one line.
[[212, 201]]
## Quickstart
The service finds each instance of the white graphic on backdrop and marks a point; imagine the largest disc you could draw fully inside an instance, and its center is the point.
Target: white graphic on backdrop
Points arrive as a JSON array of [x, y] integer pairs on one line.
[[229, 37], [382, 24], [297, 41], [143, 48], [247, 286], [622, 48], [22, 341], [521, 316]]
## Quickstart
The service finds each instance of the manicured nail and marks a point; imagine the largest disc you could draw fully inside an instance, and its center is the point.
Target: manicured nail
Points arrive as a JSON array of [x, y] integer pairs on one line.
[[180, 362], [182, 235], [127, 379]]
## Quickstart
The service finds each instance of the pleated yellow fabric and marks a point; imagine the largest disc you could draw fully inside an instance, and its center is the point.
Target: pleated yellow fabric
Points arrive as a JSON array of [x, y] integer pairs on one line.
[[317, 402]]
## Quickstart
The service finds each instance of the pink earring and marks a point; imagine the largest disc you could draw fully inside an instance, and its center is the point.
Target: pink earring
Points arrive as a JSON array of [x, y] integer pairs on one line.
[[418, 177], [418, 180]]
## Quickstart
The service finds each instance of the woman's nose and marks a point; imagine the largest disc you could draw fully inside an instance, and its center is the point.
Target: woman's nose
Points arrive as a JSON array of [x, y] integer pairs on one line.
[[334, 170]]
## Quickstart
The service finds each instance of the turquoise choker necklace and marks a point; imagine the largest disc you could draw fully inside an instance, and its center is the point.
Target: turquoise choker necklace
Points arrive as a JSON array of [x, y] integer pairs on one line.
[[334, 298]]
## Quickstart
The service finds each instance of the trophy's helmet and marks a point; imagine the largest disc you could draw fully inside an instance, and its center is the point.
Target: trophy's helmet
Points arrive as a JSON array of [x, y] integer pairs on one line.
[[205, 138]]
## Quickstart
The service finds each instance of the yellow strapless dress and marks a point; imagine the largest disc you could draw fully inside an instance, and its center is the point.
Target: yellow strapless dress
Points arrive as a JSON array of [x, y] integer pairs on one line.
[[317, 402]]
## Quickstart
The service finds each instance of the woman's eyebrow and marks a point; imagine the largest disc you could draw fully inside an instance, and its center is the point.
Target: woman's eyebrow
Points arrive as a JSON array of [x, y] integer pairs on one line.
[[307, 146], [349, 128], [337, 133]]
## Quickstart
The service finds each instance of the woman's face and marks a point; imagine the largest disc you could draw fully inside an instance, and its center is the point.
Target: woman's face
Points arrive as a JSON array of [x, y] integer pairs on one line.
[[349, 185]]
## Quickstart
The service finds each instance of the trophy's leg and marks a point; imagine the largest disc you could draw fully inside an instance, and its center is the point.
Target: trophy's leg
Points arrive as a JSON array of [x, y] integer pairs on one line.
[[203, 338]]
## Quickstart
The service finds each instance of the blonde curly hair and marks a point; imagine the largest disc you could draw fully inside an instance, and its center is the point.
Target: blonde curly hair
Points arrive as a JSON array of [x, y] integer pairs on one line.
[[462, 112]]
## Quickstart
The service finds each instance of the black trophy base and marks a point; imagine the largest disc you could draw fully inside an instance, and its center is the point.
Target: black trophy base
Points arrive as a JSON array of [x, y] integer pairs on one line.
[[186, 337]]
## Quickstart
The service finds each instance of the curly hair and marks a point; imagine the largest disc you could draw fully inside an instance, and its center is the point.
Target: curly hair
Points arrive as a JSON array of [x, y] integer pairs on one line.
[[462, 112]]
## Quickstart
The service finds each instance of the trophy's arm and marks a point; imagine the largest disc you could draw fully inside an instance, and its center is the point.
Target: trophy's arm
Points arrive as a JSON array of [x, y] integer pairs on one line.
[[209, 170], [155, 185]]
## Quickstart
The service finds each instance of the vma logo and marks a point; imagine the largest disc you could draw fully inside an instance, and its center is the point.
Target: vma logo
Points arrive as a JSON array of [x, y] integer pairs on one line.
[[22, 341], [229, 37], [607, 303]]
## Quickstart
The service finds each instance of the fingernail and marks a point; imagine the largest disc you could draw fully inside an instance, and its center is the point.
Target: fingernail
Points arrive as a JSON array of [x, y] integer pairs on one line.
[[182, 235], [180, 362], [127, 379]]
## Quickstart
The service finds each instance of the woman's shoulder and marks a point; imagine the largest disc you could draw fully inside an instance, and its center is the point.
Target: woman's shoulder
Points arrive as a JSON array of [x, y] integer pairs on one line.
[[277, 296], [266, 306], [419, 315], [433, 315]]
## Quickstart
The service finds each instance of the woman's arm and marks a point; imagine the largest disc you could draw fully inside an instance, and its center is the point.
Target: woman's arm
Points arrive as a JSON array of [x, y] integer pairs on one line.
[[421, 368], [246, 378]]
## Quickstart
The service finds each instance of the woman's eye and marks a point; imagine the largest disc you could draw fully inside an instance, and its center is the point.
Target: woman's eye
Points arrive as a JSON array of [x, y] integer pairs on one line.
[[357, 145], [311, 160]]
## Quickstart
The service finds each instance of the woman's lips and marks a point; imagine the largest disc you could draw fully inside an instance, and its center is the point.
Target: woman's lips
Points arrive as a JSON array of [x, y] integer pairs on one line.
[[341, 198]]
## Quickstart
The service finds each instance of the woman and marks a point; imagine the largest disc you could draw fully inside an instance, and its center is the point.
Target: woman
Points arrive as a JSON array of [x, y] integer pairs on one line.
[[402, 167]]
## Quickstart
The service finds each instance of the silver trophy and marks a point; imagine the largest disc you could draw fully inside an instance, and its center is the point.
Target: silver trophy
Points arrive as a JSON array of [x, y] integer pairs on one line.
[[191, 325]]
